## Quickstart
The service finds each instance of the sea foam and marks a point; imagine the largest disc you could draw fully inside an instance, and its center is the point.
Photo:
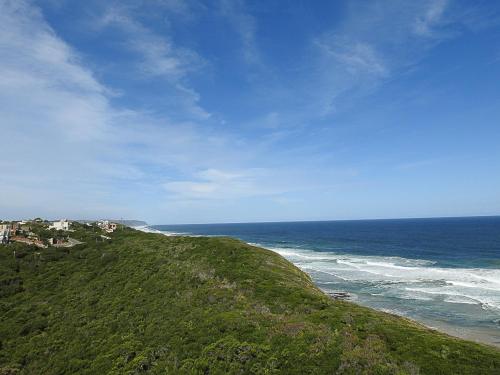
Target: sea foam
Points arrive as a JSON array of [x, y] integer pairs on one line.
[[402, 277]]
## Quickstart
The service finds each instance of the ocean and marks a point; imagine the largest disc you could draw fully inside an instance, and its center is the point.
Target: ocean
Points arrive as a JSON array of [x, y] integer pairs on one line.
[[443, 272]]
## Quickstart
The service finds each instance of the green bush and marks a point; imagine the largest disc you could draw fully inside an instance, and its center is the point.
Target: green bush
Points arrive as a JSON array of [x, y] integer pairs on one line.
[[147, 303]]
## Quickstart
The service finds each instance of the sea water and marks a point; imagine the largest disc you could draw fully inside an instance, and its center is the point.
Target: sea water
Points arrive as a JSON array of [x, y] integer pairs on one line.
[[442, 272]]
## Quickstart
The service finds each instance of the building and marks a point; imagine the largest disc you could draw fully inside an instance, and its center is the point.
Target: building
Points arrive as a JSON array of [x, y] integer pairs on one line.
[[4, 236], [11, 228], [56, 241], [107, 226], [26, 227], [60, 225]]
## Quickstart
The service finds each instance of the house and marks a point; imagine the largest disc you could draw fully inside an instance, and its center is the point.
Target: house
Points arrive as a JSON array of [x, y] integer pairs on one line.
[[102, 223], [26, 227], [60, 225], [4, 236], [56, 241], [107, 226], [11, 228]]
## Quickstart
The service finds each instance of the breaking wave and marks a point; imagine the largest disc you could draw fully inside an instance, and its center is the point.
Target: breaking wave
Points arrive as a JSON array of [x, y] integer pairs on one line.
[[148, 229], [401, 278]]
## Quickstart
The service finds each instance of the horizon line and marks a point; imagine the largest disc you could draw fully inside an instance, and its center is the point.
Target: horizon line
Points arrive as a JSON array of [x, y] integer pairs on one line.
[[332, 220]]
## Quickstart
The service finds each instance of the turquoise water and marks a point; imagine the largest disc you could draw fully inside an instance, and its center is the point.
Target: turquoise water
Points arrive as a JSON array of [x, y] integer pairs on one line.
[[443, 272]]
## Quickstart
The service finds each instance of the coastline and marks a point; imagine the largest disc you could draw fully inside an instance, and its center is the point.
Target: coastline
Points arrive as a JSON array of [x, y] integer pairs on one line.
[[479, 335], [203, 304], [475, 334]]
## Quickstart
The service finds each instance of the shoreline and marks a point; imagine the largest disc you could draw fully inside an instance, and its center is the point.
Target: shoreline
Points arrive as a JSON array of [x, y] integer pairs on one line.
[[477, 335], [481, 336]]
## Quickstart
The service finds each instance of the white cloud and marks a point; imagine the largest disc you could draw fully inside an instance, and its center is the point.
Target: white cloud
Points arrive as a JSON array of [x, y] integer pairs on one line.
[[375, 42], [218, 184], [56, 59], [159, 56], [190, 101], [246, 27], [432, 16], [241, 185], [66, 149], [38, 70], [356, 57]]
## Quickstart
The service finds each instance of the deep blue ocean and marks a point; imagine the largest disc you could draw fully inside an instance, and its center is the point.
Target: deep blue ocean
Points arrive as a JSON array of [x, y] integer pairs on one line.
[[444, 272]]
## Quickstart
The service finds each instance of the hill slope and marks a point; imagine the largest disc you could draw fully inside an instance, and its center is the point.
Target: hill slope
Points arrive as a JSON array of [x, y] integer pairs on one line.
[[146, 303]]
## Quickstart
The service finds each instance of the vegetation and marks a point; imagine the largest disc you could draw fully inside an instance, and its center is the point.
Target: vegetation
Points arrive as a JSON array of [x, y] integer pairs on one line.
[[146, 303]]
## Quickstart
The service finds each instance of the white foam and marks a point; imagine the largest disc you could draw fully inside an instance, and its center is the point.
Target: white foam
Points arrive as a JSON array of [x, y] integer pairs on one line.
[[147, 229], [461, 299], [404, 278]]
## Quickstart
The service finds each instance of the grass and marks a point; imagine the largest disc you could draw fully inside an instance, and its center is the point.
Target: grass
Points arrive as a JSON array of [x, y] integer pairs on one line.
[[146, 303]]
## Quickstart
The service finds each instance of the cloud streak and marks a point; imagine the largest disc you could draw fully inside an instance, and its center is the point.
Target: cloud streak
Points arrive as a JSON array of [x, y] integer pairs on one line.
[[424, 24], [375, 43], [221, 185], [246, 27], [159, 56], [67, 142]]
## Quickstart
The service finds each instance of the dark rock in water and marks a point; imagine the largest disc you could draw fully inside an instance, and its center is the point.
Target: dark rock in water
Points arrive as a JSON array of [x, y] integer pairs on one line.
[[339, 295]]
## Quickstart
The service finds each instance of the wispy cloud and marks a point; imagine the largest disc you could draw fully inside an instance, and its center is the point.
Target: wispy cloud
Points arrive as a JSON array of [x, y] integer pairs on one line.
[[159, 56], [67, 142], [38, 69], [373, 44], [345, 68], [416, 164], [218, 184], [359, 59], [425, 23], [89, 157], [246, 27]]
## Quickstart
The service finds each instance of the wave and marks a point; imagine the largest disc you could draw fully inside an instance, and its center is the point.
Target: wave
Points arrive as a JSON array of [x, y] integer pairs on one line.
[[401, 278], [148, 229]]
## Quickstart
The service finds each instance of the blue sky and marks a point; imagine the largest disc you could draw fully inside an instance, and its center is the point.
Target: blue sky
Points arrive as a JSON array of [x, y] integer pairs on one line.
[[231, 111]]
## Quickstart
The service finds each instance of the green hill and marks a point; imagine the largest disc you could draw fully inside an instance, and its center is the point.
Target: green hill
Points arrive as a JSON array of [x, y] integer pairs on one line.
[[146, 303]]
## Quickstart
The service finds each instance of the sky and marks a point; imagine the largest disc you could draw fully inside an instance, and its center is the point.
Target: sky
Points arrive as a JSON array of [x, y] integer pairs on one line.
[[196, 111]]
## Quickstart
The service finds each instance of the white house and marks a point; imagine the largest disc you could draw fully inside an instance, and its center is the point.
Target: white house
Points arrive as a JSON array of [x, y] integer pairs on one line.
[[4, 236], [60, 225], [107, 226]]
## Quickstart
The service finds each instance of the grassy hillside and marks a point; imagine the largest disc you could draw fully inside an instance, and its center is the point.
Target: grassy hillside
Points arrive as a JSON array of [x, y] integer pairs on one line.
[[146, 303]]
